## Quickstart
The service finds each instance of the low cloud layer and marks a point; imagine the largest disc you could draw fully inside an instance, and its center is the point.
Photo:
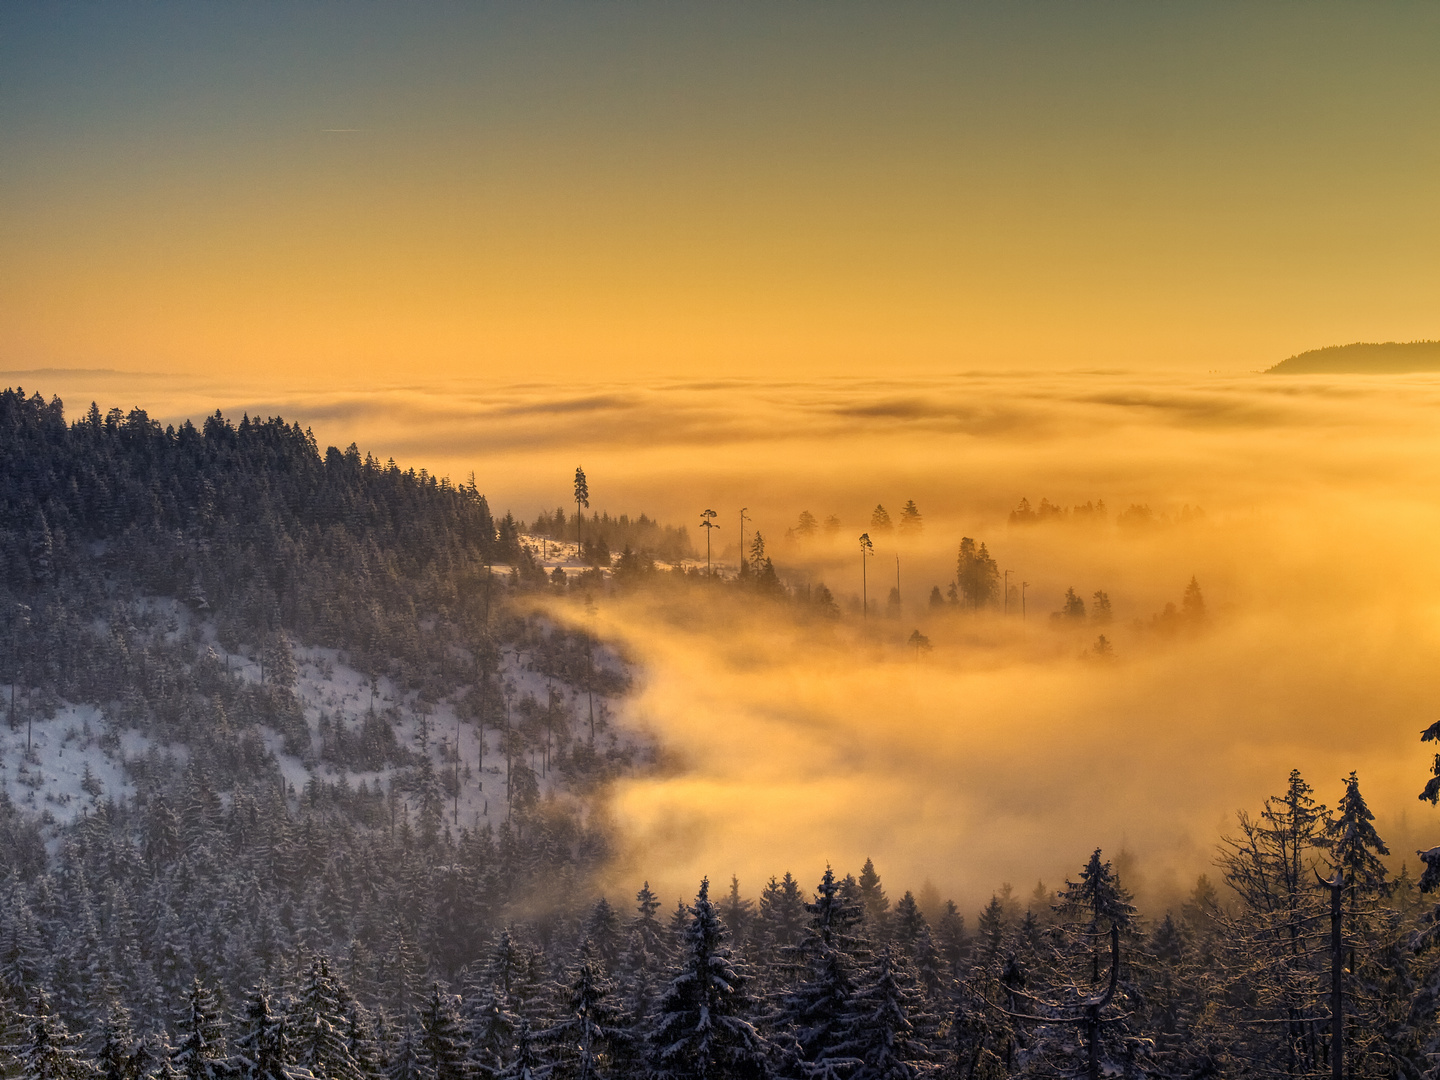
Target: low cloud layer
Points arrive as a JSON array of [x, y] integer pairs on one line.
[[1001, 755]]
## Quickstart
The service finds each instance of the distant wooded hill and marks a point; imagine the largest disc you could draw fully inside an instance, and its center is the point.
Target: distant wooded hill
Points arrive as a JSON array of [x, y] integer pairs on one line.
[[1364, 358]]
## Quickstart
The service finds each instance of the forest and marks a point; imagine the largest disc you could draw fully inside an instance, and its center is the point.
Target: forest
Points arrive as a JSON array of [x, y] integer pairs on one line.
[[353, 823]]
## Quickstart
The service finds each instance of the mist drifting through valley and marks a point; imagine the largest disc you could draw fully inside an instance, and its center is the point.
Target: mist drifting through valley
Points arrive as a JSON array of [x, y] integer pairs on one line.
[[1010, 751]]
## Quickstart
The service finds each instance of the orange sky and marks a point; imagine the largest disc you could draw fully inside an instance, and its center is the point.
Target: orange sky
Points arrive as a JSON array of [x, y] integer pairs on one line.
[[346, 194]]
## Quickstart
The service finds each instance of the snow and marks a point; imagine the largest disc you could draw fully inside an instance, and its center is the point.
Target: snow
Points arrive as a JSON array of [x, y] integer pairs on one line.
[[43, 762], [47, 777]]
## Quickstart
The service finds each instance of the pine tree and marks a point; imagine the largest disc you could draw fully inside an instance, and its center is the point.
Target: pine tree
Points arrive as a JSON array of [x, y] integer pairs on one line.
[[492, 1034], [490, 1007], [976, 574], [588, 1033], [21, 949], [990, 928], [361, 1040], [404, 969], [815, 1038], [879, 1021], [678, 929], [929, 967], [442, 1040], [1272, 946], [782, 911], [48, 1051], [908, 922], [950, 937], [317, 1025], [645, 923], [812, 1014], [116, 1058], [602, 929], [702, 1031], [876, 903], [281, 672], [911, 523], [1192, 604], [527, 1063], [737, 912], [1355, 846], [201, 1052], [1101, 903], [262, 1051], [406, 1060]]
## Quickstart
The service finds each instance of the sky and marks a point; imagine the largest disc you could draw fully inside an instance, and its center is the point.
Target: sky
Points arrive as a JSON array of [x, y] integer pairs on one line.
[[348, 195]]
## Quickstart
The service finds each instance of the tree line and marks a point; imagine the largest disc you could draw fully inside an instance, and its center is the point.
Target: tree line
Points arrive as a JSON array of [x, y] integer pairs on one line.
[[241, 940]]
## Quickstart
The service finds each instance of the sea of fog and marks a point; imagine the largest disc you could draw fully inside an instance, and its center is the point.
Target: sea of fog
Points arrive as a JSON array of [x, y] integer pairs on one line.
[[1306, 508]]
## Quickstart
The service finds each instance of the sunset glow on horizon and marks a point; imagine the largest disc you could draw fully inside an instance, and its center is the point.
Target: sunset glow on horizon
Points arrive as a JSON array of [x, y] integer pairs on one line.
[[357, 193]]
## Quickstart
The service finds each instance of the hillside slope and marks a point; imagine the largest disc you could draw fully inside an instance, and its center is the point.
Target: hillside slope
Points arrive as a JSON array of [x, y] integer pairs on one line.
[[269, 701]]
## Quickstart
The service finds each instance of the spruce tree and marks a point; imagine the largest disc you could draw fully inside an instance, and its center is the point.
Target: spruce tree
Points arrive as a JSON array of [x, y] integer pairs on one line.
[[200, 1054], [527, 1063], [813, 1032], [639, 983], [908, 923], [586, 1036], [116, 1057], [879, 1024], [811, 1018], [702, 1030], [645, 923], [262, 1051], [406, 1059], [1100, 903], [48, 1051], [1355, 846], [782, 911], [21, 949], [876, 903], [929, 967], [442, 1039], [737, 912], [318, 1025], [1273, 946], [602, 930]]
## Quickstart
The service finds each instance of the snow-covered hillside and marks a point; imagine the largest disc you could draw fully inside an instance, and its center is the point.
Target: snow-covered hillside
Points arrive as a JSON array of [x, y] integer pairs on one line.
[[59, 759]]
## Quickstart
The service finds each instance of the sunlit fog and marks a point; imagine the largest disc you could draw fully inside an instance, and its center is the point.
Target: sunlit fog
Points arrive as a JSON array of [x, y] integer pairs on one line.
[[1012, 741]]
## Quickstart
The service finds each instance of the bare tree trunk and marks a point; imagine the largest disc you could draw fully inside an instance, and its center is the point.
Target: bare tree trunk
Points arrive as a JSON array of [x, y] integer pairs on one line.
[[1337, 985]]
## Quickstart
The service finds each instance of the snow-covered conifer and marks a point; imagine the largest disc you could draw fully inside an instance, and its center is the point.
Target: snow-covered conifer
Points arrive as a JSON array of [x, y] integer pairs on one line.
[[602, 930], [702, 1029], [1355, 846], [200, 1054], [880, 1024], [646, 924], [876, 903], [317, 1024], [116, 1056], [588, 1034], [48, 1051], [262, 1051], [908, 922], [442, 1038]]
